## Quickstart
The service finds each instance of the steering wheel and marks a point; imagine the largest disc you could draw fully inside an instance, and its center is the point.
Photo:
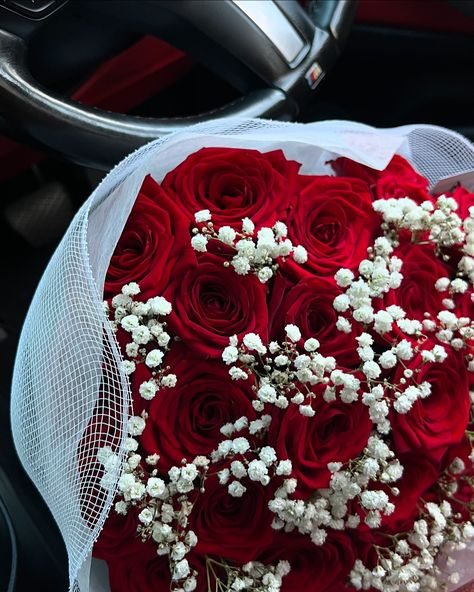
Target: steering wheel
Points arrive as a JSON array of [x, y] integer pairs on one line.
[[274, 51]]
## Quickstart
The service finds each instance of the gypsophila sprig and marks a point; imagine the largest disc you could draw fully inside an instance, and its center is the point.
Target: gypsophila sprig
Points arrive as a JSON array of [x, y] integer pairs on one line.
[[409, 563], [284, 372], [259, 253], [150, 340]]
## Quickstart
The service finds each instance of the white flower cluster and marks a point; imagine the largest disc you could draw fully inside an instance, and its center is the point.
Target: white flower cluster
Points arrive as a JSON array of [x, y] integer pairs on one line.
[[444, 225], [377, 277], [261, 469], [251, 577], [445, 230], [150, 341], [329, 508], [410, 563], [286, 374], [258, 254], [163, 504], [283, 375], [357, 302], [377, 464], [447, 327], [466, 263]]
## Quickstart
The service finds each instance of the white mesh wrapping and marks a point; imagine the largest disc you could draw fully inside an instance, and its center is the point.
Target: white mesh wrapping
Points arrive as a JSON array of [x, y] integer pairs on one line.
[[67, 377]]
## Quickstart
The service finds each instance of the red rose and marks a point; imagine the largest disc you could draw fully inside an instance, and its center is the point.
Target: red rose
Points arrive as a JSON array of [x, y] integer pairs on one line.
[[338, 432], [309, 305], [155, 238], [314, 568], [333, 219], [235, 528], [118, 538], [438, 421], [398, 179], [140, 574], [417, 293], [234, 183], [150, 572], [211, 303], [185, 421]]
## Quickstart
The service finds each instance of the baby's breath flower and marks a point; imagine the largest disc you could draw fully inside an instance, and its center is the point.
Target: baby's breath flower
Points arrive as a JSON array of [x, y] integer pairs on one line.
[[404, 350], [121, 301], [226, 235], [383, 321], [284, 467], [293, 333], [145, 516], [267, 393], [181, 570], [129, 322], [237, 373], [311, 344], [253, 342], [148, 389], [341, 303], [223, 476], [265, 274], [257, 471], [156, 487], [159, 306], [202, 216], [248, 226], [141, 335], [230, 354], [199, 243], [169, 381], [236, 489], [388, 360], [343, 325], [307, 410], [131, 289], [300, 254], [131, 349], [240, 445], [154, 358], [344, 278], [241, 265], [136, 425], [152, 459], [371, 369], [121, 507], [280, 229], [128, 366], [268, 455]]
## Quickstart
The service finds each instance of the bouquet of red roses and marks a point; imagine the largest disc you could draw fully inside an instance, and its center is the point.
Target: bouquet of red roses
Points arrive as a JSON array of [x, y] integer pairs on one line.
[[297, 347]]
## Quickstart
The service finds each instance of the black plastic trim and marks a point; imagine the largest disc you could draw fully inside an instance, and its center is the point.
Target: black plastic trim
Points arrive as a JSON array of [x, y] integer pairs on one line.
[[13, 546]]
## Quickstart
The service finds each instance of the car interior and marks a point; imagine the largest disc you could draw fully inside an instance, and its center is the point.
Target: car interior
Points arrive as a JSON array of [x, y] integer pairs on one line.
[[83, 83]]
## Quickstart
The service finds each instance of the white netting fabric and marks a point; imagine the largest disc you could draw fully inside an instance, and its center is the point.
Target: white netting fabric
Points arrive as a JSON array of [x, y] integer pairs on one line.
[[69, 396]]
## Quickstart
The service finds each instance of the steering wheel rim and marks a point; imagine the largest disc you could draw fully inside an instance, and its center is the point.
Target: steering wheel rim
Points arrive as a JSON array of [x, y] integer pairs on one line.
[[274, 50]]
